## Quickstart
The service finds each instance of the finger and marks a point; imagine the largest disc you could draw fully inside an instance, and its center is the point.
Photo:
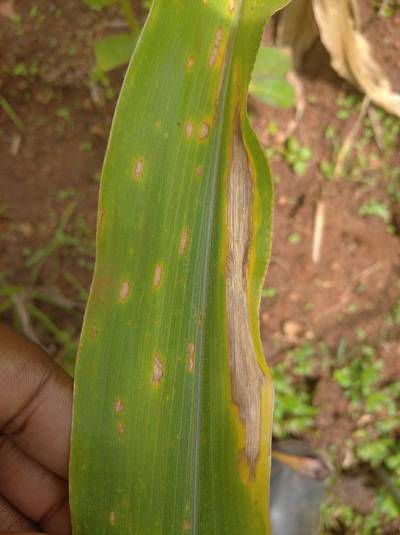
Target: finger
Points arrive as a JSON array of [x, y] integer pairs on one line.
[[33, 490], [11, 519], [35, 401]]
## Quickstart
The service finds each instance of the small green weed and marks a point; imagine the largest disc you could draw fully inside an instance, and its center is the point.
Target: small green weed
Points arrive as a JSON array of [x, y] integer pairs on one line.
[[376, 208], [393, 187], [9, 110], [387, 8], [327, 168], [98, 4], [64, 113], [17, 23], [86, 146], [294, 413], [339, 518], [347, 106], [34, 11], [374, 409], [269, 292], [396, 313], [297, 156], [294, 238]]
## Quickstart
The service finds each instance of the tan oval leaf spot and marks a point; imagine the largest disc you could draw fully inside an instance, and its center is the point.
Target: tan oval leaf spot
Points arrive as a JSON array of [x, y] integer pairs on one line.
[[190, 63], [158, 273], [158, 371], [183, 245], [186, 525], [216, 47], [119, 406], [189, 129], [232, 6], [191, 354], [158, 123], [199, 170], [113, 518], [124, 291], [205, 128], [94, 332], [138, 169], [121, 428]]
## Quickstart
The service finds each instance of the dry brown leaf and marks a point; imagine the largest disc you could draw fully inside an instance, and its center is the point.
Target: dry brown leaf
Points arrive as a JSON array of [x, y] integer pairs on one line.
[[338, 22], [351, 53]]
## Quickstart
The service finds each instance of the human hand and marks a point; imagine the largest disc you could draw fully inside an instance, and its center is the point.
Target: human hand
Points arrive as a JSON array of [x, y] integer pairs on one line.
[[35, 424]]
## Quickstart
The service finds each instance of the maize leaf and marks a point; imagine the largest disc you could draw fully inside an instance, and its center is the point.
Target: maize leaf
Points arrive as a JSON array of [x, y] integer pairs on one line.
[[173, 399]]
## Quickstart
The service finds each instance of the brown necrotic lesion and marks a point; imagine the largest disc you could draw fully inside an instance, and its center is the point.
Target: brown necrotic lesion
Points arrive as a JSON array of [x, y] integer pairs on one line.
[[158, 274], [138, 168], [184, 241], [158, 370], [124, 291], [246, 374], [216, 47], [191, 356]]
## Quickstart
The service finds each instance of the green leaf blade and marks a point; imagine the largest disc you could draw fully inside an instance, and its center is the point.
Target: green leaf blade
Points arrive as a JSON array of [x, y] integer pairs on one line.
[[164, 439]]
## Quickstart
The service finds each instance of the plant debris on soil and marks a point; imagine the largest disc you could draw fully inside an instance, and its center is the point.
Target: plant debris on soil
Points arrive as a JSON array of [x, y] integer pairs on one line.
[[331, 301]]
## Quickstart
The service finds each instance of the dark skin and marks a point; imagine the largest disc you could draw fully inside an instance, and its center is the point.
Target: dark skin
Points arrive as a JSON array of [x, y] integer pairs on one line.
[[35, 424]]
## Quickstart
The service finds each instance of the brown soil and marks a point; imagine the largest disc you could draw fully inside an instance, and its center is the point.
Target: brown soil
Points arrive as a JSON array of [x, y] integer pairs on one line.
[[55, 160]]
